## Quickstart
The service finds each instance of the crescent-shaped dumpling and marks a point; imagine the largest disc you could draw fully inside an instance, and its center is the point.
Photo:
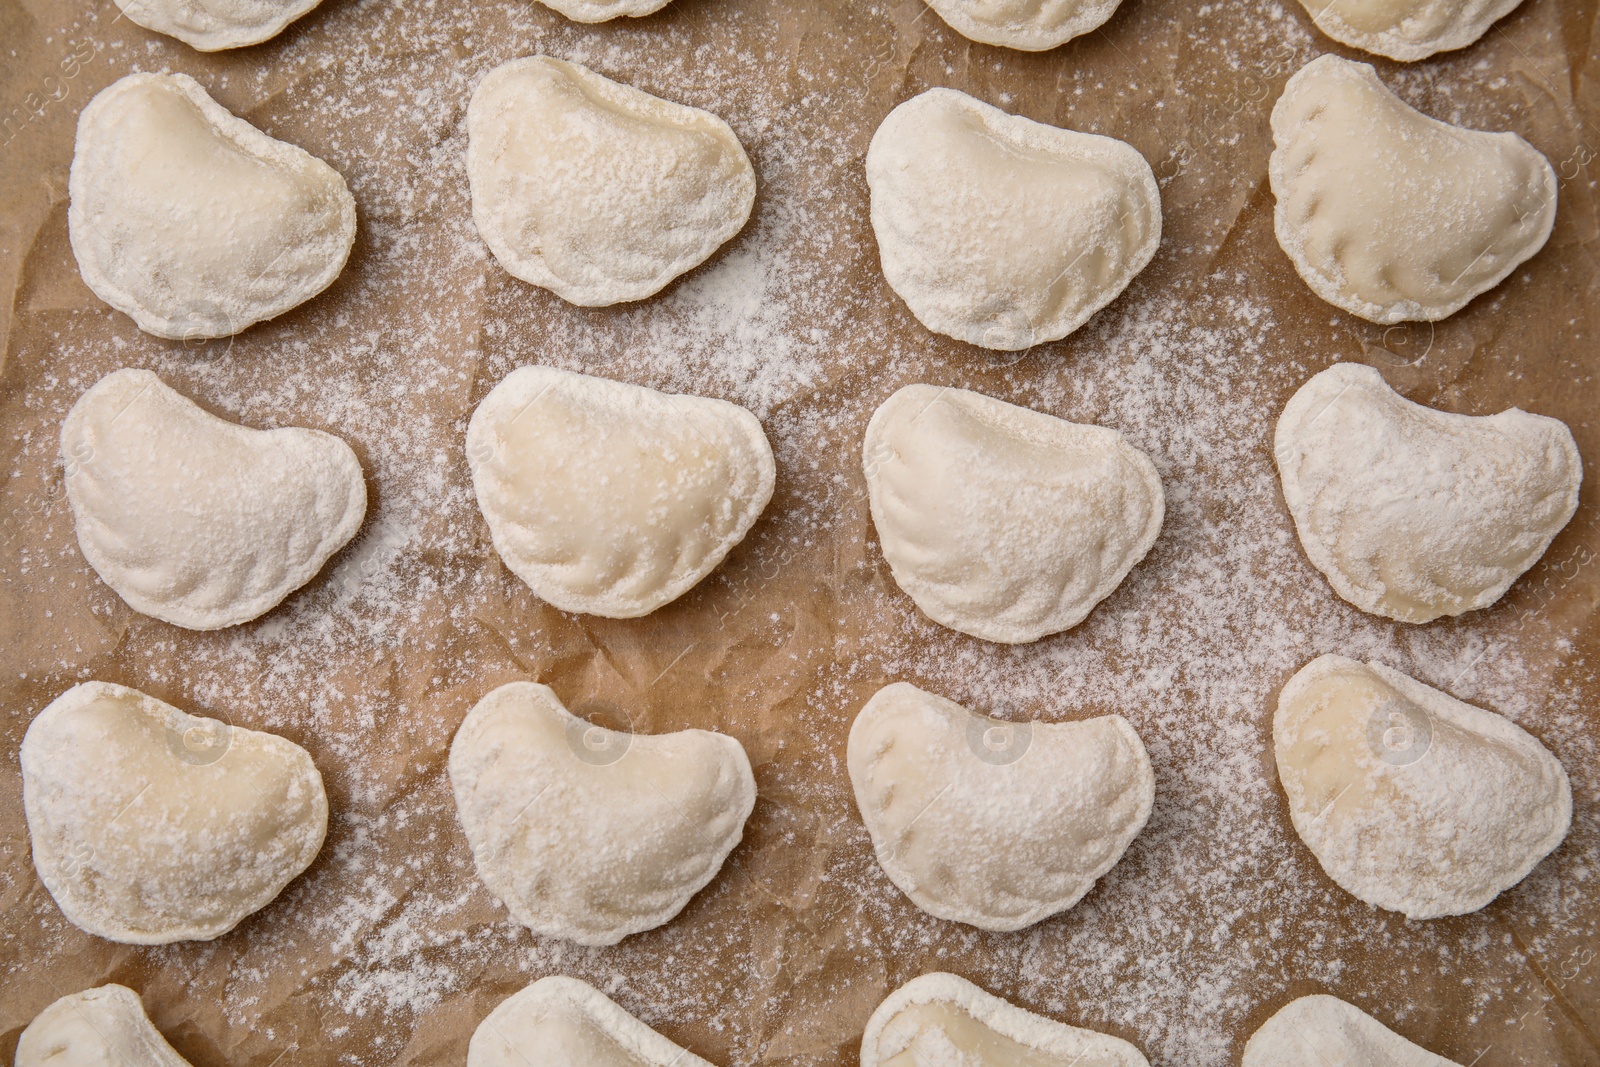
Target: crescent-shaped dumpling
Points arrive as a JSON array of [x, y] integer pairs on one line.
[[1003, 522], [1001, 231], [1027, 25], [151, 825], [565, 1022], [1322, 1030], [1414, 513], [991, 823], [193, 221], [1411, 800], [212, 25], [1407, 29], [614, 499], [942, 1019], [198, 521], [593, 834], [1392, 215], [101, 1027], [596, 190]]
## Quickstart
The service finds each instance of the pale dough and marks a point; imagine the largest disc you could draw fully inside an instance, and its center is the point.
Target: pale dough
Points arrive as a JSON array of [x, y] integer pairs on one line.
[[101, 1027], [1392, 215], [1000, 521], [193, 221], [991, 823], [609, 498], [564, 1022], [1001, 231], [1028, 25], [940, 1020], [1407, 29], [1414, 513], [212, 25], [195, 520], [1411, 800], [596, 190], [593, 834], [1324, 1031], [150, 825]]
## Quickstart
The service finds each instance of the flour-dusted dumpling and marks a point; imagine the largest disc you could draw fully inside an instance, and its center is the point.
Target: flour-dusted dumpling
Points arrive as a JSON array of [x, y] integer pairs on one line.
[[1029, 25], [212, 25], [587, 833], [101, 1027], [1414, 513], [151, 825], [1392, 215], [939, 1019], [1003, 522], [609, 498], [1324, 1031], [595, 190], [993, 823], [1001, 231], [195, 520], [193, 221], [564, 1022], [1407, 29], [1410, 799]]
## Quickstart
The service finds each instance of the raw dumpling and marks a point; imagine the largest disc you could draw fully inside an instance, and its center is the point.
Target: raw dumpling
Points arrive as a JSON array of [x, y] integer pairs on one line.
[[103, 1027], [598, 191], [603, 10], [193, 221], [150, 825], [212, 25], [1003, 522], [1029, 25], [563, 1022], [1407, 29], [198, 521], [1413, 513], [993, 823], [1410, 799], [1318, 1030], [613, 499], [1001, 231], [939, 1019], [1392, 215], [593, 834]]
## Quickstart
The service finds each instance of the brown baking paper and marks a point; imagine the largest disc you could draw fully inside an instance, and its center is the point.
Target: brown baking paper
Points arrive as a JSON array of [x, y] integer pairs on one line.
[[389, 951]]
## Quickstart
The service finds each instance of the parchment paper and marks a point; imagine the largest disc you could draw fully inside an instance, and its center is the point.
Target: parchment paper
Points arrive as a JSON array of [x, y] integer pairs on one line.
[[389, 951]]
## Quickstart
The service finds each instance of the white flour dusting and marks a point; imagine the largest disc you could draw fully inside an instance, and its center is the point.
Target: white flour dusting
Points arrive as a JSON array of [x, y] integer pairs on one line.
[[1216, 915]]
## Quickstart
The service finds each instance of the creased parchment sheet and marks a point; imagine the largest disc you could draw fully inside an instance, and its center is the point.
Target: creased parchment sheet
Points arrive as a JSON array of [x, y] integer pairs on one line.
[[388, 951]]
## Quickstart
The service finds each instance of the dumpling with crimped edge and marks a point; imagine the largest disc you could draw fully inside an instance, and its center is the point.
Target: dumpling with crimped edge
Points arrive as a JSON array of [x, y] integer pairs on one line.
[[614, 499], [1001, 231], [1392, 215], [1407, 29], [195, 520], [1003, 522], [993, 823], [1411, 800], [592, 834], [1414, 513], [1027, 25], [1320, 1029], [212, 25], [565, 1022], [942, 1019], [595, 190], [191, 220], [150, 825], [101, 1027]]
